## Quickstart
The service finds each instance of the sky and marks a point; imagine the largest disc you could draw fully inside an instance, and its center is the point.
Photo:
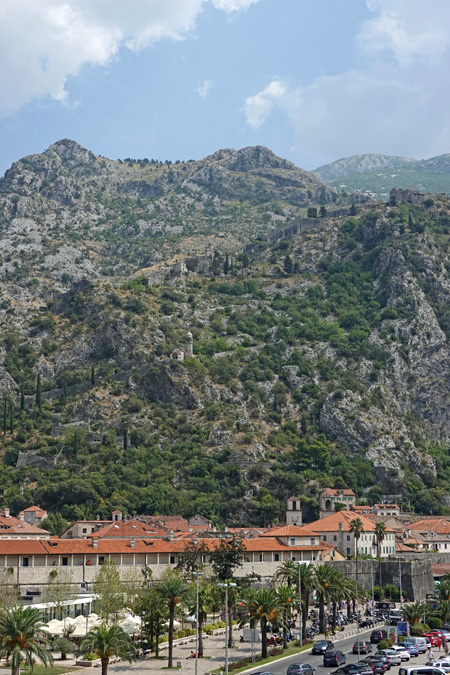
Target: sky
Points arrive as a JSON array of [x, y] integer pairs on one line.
[[313, 80]]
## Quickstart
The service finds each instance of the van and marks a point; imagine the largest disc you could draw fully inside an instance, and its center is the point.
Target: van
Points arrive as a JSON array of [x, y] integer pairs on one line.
[[421, 670], [395, 615], [420, 643]]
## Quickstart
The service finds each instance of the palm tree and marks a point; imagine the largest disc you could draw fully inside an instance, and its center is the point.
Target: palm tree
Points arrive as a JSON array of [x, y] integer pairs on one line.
[[107, 641], [261, 607], [308, 579], [205, 602], [337, 592], [414, 613], [357, 529], [324, 585], [172, 590], [19, 638], [380, 534], [287, 598], [287, 572]]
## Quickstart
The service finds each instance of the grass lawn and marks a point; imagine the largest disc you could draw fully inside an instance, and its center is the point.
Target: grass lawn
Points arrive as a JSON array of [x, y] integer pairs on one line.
[[290, 651]]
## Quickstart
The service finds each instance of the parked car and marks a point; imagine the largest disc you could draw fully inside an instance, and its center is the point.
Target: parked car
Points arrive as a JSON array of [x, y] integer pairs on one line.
[[378, 665], [392, 655], [411, 647], [444, 665], [384, 659], [321, 646], [432, 638], [362, 647], [377, 635], [333, 657], [421, 670], [402, 652], [364, 668], [300, 669]]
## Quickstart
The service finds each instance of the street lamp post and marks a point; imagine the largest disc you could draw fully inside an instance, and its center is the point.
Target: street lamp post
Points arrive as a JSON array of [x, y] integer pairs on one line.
[[300, 616], [197, 575], [226, 586]]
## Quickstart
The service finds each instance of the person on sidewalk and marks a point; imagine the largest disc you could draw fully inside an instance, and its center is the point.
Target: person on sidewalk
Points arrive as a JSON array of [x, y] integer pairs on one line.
[[430, 655]]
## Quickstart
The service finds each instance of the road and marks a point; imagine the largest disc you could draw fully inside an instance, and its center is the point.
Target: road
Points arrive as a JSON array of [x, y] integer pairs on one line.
[[279, 668]]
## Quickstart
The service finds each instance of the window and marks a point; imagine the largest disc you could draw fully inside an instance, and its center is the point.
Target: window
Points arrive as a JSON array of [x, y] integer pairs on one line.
[[348, 551], [101, 559], [64, 562], [277, 557], [92, 529], [334, 537], [292, 541], [348, 537], [172, 560], [84, 530], [313, 541], [261, 557], [25, 562], [324, 538]]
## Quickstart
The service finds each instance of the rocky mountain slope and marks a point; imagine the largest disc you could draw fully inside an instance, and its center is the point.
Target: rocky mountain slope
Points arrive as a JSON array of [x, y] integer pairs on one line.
[[431, 175], [321, 352], [359, 164]]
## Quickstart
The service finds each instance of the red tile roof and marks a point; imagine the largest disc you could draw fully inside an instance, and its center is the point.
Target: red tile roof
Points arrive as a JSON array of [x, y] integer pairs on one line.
[[127, 528], [330, 492], [290, 531], [386, 506], [331, 523], [438, 525]]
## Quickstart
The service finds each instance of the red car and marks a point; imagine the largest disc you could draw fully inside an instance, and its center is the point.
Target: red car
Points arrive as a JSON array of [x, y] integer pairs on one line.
[[432, 637]]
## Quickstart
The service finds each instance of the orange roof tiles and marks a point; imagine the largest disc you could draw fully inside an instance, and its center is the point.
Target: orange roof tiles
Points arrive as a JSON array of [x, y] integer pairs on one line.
[[290, 531], [386, 506], [127, 528], [330, 492], [438, 525], [331, 523]]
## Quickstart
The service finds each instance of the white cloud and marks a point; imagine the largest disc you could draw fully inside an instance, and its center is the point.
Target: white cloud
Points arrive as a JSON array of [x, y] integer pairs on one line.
[[257, 108], [394, 102], [43, 42], [203, 88]]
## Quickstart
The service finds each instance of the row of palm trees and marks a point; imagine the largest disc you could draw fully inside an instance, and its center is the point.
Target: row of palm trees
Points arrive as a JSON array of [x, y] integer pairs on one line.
[[22, 640]]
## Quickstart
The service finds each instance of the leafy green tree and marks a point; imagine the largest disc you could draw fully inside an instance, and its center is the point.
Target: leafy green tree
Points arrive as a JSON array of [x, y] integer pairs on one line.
[[93, 377], [414, 612], [54, 523], [22, 397], [226, 265], [60, 590], [173, 591], [323, 212], [205, 604], [228, 555], [63, 646], [287, 572], [9, 592], [106, 641], [125, 439], [20, 638], [288, 265], [312, 212], [5, 415], [261, 606], [357, 529], [323, 584], [353, 210], [190, 558], [109, 590]]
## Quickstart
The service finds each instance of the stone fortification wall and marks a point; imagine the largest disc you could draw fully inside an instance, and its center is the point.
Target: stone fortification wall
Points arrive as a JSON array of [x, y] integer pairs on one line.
[[417, 579]]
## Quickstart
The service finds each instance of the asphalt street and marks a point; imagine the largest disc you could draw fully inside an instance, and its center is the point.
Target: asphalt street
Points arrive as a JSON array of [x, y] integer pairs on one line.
[[280, 668]]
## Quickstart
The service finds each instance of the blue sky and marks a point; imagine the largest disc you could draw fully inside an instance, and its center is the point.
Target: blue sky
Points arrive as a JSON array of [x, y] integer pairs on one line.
[[314, 80]]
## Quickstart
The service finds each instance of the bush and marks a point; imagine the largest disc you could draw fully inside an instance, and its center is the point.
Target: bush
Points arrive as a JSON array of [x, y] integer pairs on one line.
[[435, 622], [208, 629], [90, 656], [180, 634], [419, 628], [384, 644]]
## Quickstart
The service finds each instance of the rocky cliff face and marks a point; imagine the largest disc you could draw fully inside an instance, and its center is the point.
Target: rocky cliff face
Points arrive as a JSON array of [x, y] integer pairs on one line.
[[321, 358]]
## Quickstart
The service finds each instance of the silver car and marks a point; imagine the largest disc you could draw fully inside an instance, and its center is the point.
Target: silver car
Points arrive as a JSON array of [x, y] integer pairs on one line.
[[393, 656]]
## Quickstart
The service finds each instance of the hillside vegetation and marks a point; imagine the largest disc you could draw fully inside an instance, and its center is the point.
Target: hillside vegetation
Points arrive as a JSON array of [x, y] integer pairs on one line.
[[320, 359]]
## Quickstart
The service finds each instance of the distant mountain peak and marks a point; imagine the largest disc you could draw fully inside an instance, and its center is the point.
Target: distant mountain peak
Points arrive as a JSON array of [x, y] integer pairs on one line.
[[250, 158], [358, 164]]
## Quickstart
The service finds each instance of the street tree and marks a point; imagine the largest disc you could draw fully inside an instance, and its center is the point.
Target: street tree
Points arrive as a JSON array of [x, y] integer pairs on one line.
[[20, 638], [287, 600], [9, 592], [106, 641], [380, 534], [173, 591], [59, 590], [261, 607], [109, 590]]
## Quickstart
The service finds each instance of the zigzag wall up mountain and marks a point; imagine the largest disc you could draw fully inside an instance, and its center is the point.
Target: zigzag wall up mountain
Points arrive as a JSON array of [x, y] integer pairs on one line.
[[321, 359]]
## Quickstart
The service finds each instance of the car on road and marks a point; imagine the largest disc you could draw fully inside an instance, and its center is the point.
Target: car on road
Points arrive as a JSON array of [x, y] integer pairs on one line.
[[384, 660], [432, 638], [362, 647], [377, 635], [300, 669], [420, 670], [378, 665], [333, 657], [352, 669], [444, 665], [402, 652], [364, 668], [321, 646], [411, 647], [392, 655]]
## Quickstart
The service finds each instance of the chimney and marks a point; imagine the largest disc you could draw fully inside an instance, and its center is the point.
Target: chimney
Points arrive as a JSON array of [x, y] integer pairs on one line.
[[171, 536], [133, 543], [6, 512], [94, 542]]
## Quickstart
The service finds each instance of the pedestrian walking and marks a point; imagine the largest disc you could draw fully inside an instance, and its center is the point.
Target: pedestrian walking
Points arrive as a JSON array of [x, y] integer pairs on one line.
[[439, 642], [445, 645], [430, 655]]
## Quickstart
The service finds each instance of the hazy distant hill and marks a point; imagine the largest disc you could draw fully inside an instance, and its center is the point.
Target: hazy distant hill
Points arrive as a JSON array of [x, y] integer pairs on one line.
[[359, 164], [431, 175]]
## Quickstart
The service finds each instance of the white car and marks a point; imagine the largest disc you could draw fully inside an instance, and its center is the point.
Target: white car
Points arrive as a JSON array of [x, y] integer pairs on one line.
[[392, 654], [403, 654], [443, 665]]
